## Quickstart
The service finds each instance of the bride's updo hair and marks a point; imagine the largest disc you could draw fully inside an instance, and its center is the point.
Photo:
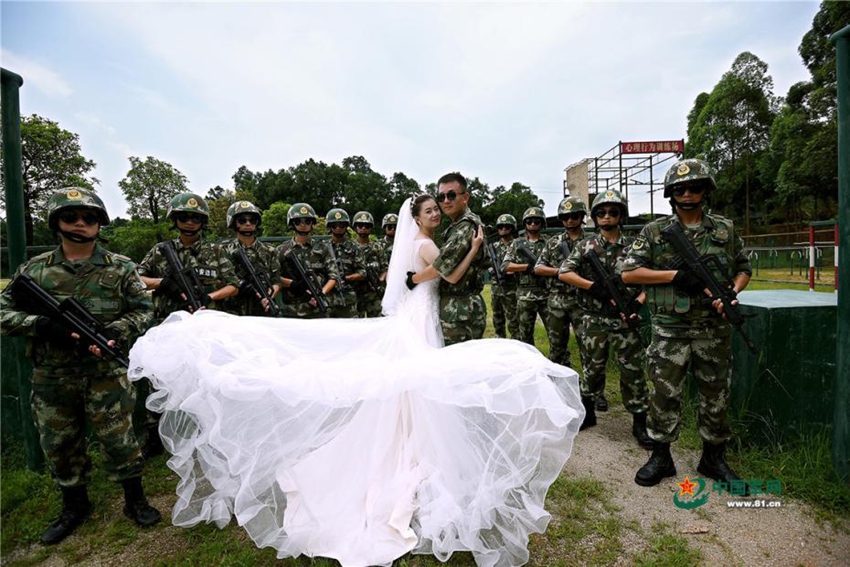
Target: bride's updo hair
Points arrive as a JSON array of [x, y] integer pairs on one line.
[[416, 203]]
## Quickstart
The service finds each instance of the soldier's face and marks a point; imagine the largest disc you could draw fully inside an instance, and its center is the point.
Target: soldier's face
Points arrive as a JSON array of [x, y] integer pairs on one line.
[[429, 214], [338, 228], [78, 220], [572, 220], [689, 196], [389, 230], [363, 229], [454, 198]]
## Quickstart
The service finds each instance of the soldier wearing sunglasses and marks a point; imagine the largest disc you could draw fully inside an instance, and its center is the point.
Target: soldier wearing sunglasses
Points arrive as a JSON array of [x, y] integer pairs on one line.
[[686, 332], [503, 298], [370, 291], [385, 245], [562, 305], [520, 259], [72, 386], [188, 214], [243, 218], [349, 262], [603, 325], [463, 313]]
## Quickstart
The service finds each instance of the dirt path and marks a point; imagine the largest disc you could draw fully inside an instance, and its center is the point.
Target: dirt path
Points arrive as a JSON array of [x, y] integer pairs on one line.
[[785, 536]]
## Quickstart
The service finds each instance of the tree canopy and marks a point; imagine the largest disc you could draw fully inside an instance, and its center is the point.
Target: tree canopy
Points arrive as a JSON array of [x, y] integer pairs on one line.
[[150, 185]]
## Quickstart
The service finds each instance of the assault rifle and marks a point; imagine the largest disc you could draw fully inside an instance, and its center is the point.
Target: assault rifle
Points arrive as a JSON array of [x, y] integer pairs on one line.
[[494, 262], [701, 267], [528, 256], [615, 290], [259, 282], [70, 313], [340, 283], [185, 278], [307, 277]]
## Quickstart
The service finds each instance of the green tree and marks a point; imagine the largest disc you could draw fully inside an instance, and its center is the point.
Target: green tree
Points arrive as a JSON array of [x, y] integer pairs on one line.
[[512, 201], [217, 225], [732, 132], [274, 220], [135, 237], [51, 158], [150, 185]]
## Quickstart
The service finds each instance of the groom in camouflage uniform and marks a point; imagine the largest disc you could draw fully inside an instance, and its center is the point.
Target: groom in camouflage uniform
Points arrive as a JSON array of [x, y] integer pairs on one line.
[[685, 331], [463, 313], [72, 386]]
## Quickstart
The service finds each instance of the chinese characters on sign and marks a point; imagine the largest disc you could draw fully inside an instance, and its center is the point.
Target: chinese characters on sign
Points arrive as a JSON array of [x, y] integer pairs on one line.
[[668, 146]]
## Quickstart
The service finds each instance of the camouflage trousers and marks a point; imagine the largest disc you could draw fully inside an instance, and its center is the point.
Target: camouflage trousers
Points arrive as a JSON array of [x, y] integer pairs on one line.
[[527, 310], [600, 335], [577, 318], [368, 304], [61, 405], [301, 310], [344, 306], [710, 363], [504, 311], [462, 318], [558, 331]]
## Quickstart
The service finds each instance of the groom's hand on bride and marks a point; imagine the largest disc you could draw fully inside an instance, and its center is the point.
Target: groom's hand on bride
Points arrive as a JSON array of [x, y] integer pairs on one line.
[[409, 281]]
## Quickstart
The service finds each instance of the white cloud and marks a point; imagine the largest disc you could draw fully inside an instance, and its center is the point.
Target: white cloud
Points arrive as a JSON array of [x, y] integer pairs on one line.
[[94, 121], [40, 76]]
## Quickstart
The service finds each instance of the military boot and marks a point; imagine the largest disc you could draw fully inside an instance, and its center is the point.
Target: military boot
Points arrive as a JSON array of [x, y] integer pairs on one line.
[[658, 467], [601, 403], [75, 509], [153, 444], [713, 464], [639, 431], [589, 413], [136, 506]]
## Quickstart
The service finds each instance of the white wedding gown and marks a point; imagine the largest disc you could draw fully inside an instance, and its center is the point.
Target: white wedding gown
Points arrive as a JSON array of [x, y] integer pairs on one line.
[[360, 440]]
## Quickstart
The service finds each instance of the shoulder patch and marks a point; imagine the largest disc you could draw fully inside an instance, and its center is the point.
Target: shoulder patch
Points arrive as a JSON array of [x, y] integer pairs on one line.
[[638, 243]]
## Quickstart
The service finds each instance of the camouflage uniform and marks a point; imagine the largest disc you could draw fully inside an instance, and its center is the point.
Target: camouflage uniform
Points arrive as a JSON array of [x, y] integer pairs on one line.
[[70, 384], [344, 305], [316, 258], [604, 329], [265, 260], [463, 313], [210, 261], [562, 304], [504, 301], [368, 298], [687, 332], [532, 292]]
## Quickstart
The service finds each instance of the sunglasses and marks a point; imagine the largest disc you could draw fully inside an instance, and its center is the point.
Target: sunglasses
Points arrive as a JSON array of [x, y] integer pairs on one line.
[[70, 217], [189, 217], [680, 191], [533, 221], [613, 213], [571, 216], [450, 195], [248, 219], [362, 225], [334, 225], [504, 226], [299, 222], [390, 227]]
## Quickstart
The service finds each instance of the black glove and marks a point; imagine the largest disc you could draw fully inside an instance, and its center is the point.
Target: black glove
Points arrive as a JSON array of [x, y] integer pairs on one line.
[[634, 307], [597, 290], [688, 282], [45, 328], [169, 288], [297, 287], [205, 299], [409, 281], [245, 288]]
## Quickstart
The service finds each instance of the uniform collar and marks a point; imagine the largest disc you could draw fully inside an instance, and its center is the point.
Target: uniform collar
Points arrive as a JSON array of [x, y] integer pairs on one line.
[[604, 242], [195, 247], [99, 256]]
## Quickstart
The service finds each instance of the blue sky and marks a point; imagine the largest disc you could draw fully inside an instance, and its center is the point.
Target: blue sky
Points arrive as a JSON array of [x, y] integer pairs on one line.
[[505, 92]]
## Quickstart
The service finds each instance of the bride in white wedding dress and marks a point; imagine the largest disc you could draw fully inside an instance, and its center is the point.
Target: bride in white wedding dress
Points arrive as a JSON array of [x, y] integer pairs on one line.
[[362, 440]]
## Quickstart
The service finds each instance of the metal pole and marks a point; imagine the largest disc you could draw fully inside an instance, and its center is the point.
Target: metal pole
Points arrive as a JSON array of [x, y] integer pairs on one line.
[[811, 258], [16, 368], [651, 191], [841, 428]]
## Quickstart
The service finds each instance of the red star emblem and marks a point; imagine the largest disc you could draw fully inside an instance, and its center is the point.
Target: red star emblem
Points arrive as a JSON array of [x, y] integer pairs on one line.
[[686, 487]]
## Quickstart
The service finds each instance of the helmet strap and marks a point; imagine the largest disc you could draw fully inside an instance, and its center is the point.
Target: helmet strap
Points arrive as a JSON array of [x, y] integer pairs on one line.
[[609, 228], [78, 238], [247, 232], [188, 233]]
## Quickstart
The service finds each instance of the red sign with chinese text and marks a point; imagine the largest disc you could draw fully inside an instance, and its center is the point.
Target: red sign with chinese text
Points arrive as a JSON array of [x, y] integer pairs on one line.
[[667, 146]]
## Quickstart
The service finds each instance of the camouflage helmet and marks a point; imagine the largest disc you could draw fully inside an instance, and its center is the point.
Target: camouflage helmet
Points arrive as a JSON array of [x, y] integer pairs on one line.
[[390, 218], [241, 208], [691, 171], [571, 205], [337, 215], [300, 211], [533, 213], [364, 217], [610, 197], [74, 197], [507, 219], [188, 203]]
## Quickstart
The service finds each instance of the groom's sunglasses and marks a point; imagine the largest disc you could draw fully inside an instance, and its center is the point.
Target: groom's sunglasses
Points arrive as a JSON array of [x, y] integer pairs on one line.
[[450, 195]]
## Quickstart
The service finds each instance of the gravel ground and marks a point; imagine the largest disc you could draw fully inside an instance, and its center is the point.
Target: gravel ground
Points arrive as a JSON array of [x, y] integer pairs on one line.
[[785, 536]]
